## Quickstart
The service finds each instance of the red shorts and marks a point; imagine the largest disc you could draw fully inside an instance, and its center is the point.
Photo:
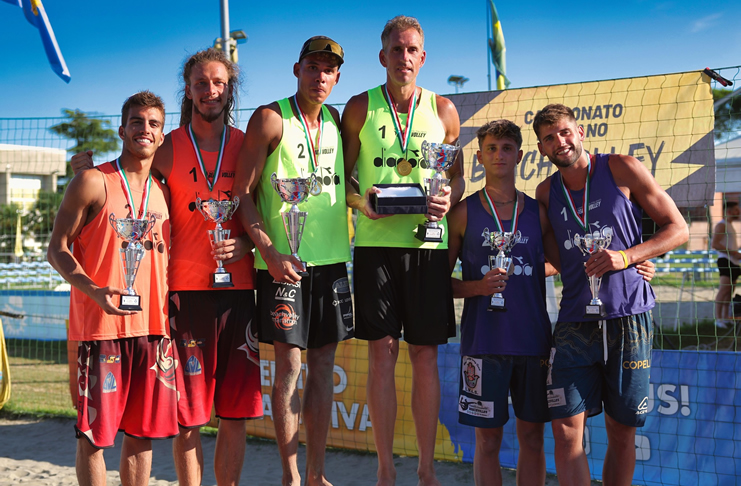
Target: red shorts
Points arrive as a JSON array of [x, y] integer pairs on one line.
[[219, 362], [126, 384]]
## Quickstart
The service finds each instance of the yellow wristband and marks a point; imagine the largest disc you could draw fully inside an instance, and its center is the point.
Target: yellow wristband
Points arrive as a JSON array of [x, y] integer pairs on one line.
[[625, 258]]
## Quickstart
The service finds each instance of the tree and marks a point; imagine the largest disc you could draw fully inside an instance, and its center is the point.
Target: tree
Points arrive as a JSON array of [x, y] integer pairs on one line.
[[727, 115], [88, 133]]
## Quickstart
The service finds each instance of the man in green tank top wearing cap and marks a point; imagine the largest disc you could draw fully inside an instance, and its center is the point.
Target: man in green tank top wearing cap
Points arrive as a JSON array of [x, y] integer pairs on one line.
[[401, 282], [293, 138]]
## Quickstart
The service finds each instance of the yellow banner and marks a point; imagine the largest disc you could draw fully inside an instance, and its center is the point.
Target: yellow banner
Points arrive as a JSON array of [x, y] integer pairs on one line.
[[664, 121], [350, 426]]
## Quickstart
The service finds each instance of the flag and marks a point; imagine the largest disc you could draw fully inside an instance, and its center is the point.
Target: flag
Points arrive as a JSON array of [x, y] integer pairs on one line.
[[36, 16], [497, 49], [18, 251]]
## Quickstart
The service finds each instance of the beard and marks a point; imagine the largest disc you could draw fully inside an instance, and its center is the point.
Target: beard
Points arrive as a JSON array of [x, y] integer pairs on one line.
[[209, 118], [576, 154]]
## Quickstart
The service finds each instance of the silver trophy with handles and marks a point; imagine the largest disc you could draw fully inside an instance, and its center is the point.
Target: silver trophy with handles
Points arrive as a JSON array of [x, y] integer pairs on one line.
[[218, 212], [295, 191], [502, 241], [589, 244], [132, 231], [440, 157]]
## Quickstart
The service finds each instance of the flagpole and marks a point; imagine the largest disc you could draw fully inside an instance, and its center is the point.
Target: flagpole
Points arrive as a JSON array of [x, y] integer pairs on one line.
[[488, 29]]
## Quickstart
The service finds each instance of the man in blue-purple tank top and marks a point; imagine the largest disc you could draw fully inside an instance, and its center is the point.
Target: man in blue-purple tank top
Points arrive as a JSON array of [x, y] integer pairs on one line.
[[505, 351], [601, 351]]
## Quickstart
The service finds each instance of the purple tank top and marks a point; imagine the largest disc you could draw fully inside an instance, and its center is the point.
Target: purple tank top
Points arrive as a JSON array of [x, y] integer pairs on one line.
[[623, 292], [524, 328]]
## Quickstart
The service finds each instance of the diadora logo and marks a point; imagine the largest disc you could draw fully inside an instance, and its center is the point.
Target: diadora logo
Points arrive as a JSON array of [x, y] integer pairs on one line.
[[643, 407], [326, 175], [109, 384], [193, 367], [192, 343], [284, 317], [113, 358], [412, 155]]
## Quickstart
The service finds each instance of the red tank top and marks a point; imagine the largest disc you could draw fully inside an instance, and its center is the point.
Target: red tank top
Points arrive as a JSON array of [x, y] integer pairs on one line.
[[97, 249], [191, 262]]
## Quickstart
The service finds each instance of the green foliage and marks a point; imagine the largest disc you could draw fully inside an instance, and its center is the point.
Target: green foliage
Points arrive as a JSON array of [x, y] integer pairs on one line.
[[727, 115], [40, 219], [88, 133]]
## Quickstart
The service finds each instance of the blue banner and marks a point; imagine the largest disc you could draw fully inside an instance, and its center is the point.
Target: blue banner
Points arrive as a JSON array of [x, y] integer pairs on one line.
[[692, 434]]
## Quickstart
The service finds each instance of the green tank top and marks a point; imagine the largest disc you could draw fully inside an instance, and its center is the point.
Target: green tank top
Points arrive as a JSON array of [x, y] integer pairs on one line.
[[325, 239], [379, 150]]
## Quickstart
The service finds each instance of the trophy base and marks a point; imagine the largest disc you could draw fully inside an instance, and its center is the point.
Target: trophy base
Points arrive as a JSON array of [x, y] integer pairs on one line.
[[594, 310], [221, 280], [496, 304], [426, 233], [130, 302]]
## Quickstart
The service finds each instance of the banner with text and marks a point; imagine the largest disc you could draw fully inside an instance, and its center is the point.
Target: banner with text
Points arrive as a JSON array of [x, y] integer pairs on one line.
[[693, 429], [664, 121]]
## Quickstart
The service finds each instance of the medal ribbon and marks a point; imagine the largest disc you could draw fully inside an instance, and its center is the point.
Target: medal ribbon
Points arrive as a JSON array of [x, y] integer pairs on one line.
[[127, 191], [217, 170], [402, 135], [313, 156], [495, 214], [583, 221]]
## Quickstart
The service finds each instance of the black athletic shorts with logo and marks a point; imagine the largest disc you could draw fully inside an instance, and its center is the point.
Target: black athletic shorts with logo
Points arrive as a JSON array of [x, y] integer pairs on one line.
[[310, 314], [403, 289]]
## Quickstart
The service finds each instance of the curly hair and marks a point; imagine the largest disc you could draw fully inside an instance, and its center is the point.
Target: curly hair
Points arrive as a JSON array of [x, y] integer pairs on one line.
[[204, 57]]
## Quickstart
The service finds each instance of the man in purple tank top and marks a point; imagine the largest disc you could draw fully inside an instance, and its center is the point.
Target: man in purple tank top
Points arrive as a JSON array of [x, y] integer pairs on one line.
[[601, 354], [502, 353]]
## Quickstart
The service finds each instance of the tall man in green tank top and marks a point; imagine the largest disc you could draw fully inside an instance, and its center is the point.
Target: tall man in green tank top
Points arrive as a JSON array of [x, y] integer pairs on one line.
[[290, 138], [400, 282]]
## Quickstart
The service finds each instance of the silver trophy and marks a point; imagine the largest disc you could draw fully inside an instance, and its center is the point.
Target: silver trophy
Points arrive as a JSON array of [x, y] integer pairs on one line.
[[440, 157], [218, 212], [502, 241], [295, 191], [132, 231], [589, 244]]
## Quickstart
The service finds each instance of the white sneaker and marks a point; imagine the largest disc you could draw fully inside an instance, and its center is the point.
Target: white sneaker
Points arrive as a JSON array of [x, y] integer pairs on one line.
[[721, 324]]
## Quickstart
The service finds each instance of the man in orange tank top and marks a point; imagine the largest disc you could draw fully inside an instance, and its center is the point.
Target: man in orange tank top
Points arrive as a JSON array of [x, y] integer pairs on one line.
[[125, 358], [213, 329]]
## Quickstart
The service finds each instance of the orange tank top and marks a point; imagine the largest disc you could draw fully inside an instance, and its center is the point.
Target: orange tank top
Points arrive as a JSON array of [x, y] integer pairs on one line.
[[191, 262], [97, 249]]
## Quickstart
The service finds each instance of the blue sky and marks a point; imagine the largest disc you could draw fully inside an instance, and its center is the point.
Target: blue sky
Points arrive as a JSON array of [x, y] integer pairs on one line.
[[116, 48]]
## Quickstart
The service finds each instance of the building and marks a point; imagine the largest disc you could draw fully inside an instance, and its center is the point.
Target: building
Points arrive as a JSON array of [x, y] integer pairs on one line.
[[25, 170]]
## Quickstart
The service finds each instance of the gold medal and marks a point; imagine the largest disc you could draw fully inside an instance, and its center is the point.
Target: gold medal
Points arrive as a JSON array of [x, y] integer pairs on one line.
[[403, 167], [316, 188]]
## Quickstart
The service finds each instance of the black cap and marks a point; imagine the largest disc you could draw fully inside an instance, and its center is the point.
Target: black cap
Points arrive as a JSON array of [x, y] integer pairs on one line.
[[320, 43]]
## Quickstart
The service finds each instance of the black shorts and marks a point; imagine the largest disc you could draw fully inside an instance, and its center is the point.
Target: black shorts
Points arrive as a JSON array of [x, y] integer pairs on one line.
[[310, 314], [403, 288], [727, 268]]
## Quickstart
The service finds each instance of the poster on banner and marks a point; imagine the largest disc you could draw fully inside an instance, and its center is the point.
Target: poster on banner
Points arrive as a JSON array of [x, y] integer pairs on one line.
[[664, 121]]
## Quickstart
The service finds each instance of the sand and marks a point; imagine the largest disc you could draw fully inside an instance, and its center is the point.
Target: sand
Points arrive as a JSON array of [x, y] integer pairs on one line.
[[42, 452]]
